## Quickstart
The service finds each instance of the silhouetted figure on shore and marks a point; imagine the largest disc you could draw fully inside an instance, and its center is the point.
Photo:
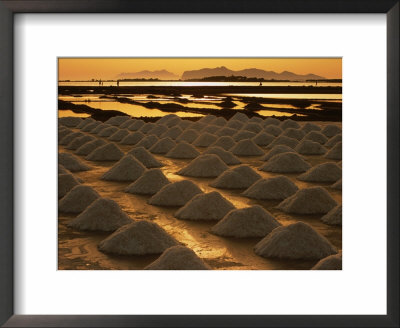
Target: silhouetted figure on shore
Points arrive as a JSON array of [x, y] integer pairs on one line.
[[260, 84], [117, 83]]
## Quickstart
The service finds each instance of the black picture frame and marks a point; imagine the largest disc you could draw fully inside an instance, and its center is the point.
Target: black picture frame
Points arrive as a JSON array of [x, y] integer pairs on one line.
[[7, 10]]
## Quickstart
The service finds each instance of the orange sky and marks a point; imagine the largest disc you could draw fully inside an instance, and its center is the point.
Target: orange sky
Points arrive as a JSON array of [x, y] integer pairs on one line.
[[109, 68]]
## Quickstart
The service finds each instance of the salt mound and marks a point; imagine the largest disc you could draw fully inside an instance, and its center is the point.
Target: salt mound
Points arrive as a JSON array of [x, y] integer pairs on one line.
[[224, 142], [331, 130], [172, 133], [69, 137], [102, 215], [132, 138], [138, 238], [308, 127], [71, 122], [119, 135], [147, 142], [143, 156], [149, 183], [65, 183], [61, 128], [62, 169], [279, 149], [239, 117], [325, 172], [204, 166], [335, 152], [204, 140], [252, 221], [271, 121], [331, 262], [274, 130], [62, 132], [158, 130], [85, 122], [283, 140], [107, 152], [263, 139], [117, 120], [256, 119], [136, 125], [126, 169], [242, 135], [167, 118], [77, 142], [90, 126], [337, 185], [175, 194], [88, 147], [226, 156], [240, 177], [295, 241], [289, 123], [183, 150], [207, 119], [188, 135], [77, 199], [198, 126], [286, 163], [211, 129], [99, 128], [219, 121], [247, 147], [72, 163], [108, 131], [163, 146], [185, 124], [209, 206], [252, 127], [294, 133], [147, 127], [308, 147], [234, 125], [316, 136], [126, 124], [334, 140], [334, 216], [173, 121], [225, 132], [279, 187], [178, 258], [133, 121], [314, 200]]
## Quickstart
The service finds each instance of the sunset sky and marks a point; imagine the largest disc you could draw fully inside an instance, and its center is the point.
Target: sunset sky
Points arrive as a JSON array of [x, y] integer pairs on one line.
[[109, 68]]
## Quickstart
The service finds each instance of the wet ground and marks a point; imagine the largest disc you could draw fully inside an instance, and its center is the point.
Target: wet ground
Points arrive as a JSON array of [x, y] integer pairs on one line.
[[78, 250], [307, 102]]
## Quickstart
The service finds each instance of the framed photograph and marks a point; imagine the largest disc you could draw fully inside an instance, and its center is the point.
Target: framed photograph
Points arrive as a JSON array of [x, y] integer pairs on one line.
[[166, 163]]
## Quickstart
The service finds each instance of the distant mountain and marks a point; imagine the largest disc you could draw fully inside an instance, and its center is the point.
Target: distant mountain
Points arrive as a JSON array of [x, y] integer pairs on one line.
[[161, 75], [250, 72]]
